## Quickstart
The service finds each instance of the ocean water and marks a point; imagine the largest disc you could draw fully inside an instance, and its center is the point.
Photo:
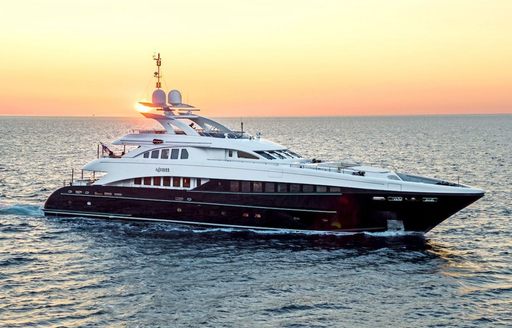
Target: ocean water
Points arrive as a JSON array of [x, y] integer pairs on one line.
[[87, 272]]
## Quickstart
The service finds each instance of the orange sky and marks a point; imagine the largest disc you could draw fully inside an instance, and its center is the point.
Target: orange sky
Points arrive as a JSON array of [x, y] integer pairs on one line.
[[258, 58]]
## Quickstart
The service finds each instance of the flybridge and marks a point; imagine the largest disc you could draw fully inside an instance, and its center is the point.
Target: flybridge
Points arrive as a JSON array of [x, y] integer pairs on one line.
[[180, 118]]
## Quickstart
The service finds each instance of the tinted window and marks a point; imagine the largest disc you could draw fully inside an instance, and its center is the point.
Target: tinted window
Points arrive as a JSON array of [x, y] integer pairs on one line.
[[147, 181], [270, 187], [156, 181], [186, 182], [167, 181], [184, 154], [294, 154], [264, 154], [334, 189], [154, 153], [275, 153], [164, 154], [282, 187], [308, 188], [321, 189], [294, 188], [230, 153], [174, 153], [242, 154], [284, 154], [176, 182], [146, 154], [137, 181], [257, 186], [246, 186], [233, 186]]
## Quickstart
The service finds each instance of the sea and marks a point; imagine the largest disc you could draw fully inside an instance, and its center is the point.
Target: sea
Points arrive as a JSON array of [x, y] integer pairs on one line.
[[80, 272]]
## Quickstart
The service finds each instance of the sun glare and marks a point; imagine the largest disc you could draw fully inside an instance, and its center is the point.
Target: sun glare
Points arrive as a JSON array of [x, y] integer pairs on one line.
[[141, 108]]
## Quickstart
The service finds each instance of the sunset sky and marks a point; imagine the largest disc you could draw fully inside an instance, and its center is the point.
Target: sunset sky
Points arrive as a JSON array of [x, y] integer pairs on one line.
[[258, 58]]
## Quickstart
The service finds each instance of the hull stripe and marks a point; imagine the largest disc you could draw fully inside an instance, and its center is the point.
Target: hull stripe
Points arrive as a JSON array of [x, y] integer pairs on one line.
[[132, 218], [203, 203]]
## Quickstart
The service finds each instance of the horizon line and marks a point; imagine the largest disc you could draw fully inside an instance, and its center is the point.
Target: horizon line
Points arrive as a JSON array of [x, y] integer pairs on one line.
[[291, 116]]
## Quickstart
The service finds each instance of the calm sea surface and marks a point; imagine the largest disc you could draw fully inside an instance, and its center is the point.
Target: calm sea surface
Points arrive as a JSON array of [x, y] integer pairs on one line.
[[86, 272]]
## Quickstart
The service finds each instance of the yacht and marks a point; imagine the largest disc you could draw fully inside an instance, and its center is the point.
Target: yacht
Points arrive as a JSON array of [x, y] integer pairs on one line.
[[196, 171]]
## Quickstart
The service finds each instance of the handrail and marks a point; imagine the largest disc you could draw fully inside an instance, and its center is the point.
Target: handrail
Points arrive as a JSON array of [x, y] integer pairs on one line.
[[308, 166]]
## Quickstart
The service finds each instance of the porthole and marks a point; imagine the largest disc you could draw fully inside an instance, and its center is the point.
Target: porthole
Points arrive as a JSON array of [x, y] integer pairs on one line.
[[178, 210], [89, 204]]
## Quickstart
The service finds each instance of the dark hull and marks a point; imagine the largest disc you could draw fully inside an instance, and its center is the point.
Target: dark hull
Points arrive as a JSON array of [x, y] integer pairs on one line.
[[351, 210]]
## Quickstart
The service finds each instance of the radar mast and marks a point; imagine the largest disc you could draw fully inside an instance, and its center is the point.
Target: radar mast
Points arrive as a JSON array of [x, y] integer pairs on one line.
[[157, 74]]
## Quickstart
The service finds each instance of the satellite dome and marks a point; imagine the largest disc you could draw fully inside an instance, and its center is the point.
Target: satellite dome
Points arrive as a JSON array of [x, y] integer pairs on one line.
[[174, 97], [159, 97]]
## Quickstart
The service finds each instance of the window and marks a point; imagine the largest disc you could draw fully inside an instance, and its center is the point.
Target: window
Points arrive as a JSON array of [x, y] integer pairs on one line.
[[308, 188], [147, 181], [294, 188], [321, 189], [184, 154], [246, 186], [230, 153], [264, 154], [334, 189], [294, 154], [156, 181], [146, 154], [137, 181], [234, 186], [164, 154], [242, 154], [270, 187], [154, 153], [166, 181], [186, 182], [257, 186], [282, 187], [275, 153], [174, 153], [283, 153], [176, 182]]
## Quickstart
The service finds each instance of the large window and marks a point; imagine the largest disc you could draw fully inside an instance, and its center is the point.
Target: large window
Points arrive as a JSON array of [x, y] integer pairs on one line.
[[282, 187], [246, 186], [146, 154], [308, 188], [147, 181], [176, 182], [270, 187], [242, 154], [234, 186], [275, 153], [137, 181], [164, 154], [174, 153], [257, 186], [294, 187], [186, 182], [156, 181], [154, 153], [184, 154], [264, 154], [166, 181], [321, 189]]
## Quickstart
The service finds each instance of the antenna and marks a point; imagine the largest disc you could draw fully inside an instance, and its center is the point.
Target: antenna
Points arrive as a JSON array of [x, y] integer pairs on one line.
[[157, 73]]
